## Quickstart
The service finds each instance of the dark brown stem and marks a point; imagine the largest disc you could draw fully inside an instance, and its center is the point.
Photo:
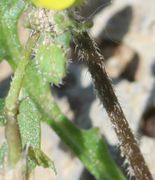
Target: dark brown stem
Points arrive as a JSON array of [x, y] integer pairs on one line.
[[95, 63]]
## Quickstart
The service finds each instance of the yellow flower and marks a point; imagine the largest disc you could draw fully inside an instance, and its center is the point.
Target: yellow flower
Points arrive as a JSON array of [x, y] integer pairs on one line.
[[55, 4]]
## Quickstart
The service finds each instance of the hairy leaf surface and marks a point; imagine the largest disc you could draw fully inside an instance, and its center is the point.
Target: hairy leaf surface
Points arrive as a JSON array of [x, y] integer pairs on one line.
[[29, 126], [10, 11]]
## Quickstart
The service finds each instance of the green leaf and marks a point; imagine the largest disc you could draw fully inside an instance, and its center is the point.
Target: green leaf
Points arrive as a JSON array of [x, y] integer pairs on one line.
[[89, 146], [10, 48], [3, 152], [51, 63], [2, 114], [40, 158], [29, 126], [29, 123]]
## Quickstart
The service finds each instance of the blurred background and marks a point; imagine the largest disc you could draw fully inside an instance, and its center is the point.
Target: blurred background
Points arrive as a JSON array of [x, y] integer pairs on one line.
[[125, 32]]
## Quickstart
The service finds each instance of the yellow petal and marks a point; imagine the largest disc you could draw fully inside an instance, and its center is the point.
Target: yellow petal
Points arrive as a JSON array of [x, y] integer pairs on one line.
[[54, 4]]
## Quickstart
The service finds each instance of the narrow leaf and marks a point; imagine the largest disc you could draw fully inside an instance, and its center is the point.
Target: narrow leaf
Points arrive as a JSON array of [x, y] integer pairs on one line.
[[29, 126]]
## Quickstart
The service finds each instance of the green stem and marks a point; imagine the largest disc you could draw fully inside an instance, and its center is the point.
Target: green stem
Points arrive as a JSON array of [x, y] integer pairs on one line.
[[11, 105]]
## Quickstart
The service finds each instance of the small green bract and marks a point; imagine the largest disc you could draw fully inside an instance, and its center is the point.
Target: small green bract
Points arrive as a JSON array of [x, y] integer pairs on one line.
[[51, 63]]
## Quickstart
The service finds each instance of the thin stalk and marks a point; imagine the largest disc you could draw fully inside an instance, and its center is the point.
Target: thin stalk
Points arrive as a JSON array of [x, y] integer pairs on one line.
[[95, 63], [11, 105]]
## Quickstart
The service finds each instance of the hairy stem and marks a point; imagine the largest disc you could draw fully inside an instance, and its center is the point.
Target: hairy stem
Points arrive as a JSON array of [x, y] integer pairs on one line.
[[95, 63], [11, 106]]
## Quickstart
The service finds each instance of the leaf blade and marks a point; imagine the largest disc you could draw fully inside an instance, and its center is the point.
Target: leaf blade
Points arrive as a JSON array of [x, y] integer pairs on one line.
[[101, 165]]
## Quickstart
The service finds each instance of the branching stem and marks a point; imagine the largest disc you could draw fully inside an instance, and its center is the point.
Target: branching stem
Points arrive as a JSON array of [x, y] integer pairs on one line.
[[11, 105]]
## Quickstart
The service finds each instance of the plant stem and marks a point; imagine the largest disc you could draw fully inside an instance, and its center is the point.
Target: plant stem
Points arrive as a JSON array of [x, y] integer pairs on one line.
[[11, 105], [95, 63]]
